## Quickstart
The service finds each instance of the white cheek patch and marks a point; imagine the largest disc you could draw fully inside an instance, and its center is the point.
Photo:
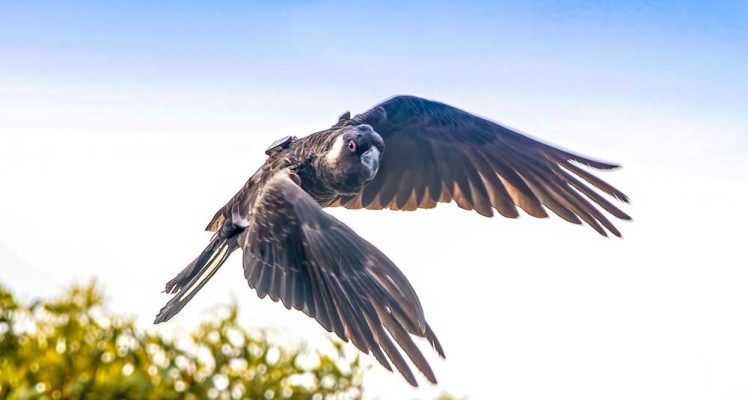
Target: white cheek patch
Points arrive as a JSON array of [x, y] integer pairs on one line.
[[333, 155]]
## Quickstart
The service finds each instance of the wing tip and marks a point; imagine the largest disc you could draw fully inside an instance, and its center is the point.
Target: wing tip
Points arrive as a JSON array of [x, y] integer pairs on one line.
[[589, 162], [434, 341], [409, 377]]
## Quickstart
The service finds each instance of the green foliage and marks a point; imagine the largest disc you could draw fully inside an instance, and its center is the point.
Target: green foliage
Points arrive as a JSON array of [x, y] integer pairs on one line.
[[72, 348]]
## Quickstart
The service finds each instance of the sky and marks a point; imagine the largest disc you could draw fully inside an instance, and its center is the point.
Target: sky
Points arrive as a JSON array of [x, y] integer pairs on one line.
[[125, 125]]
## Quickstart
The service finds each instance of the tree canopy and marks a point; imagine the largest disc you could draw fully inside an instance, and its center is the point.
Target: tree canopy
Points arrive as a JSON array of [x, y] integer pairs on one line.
[[72, 347]]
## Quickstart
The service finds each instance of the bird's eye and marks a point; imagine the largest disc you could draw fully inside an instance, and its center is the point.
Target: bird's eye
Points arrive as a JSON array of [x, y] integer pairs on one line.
[[352, 146]]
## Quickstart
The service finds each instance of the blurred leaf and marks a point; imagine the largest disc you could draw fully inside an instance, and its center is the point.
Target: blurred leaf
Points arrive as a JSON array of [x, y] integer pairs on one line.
[[72, 348]]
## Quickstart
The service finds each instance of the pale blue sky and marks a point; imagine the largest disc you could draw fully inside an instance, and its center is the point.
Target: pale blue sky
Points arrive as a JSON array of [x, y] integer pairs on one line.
[[672, 56], [116, 117]]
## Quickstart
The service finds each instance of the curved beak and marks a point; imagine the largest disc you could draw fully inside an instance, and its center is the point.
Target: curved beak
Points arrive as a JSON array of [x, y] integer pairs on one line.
[[370, 159]]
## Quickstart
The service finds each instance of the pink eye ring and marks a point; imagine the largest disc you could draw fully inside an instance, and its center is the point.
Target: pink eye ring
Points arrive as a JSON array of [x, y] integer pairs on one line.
[[352, 146]]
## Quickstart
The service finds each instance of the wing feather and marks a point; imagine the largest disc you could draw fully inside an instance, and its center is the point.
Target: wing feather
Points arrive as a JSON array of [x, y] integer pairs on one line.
[[436, 153], [299, 255]]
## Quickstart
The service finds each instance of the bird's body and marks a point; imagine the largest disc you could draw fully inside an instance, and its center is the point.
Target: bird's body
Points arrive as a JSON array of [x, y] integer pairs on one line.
[[404, 154]]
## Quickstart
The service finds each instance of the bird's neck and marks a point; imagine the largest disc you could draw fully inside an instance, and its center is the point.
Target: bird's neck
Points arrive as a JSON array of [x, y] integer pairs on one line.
[[314, 177]]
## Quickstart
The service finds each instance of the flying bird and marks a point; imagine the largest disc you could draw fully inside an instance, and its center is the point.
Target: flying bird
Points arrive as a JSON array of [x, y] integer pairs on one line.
[[404, 154]]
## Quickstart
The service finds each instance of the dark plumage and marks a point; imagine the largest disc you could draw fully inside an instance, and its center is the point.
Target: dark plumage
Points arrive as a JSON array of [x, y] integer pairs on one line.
[[404, 154]]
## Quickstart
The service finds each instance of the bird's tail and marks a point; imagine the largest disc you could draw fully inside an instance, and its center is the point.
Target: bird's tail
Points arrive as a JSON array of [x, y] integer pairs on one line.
[[188, 282]]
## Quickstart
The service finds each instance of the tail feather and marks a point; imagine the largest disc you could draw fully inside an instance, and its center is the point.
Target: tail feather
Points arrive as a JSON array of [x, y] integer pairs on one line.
[[188, 282]]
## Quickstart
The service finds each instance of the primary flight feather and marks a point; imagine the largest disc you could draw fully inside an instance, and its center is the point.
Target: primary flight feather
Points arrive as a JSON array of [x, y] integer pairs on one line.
[[404, 154]]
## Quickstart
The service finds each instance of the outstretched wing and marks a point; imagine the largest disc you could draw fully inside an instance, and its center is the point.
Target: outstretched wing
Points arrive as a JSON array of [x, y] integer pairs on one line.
[[297, 253], [438, 153]]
